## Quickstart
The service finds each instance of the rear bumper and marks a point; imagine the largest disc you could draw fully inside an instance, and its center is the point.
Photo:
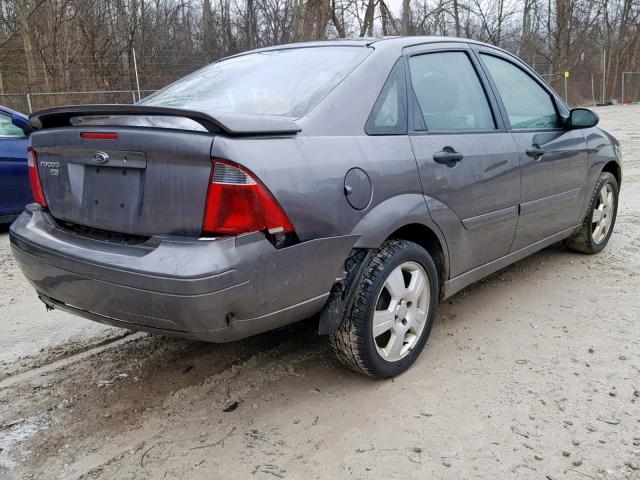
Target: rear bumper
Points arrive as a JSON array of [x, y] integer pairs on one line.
[[215, 289]]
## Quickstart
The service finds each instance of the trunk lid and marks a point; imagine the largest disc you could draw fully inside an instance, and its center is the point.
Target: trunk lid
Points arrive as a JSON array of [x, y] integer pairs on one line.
[[149, 176], [146, 182]]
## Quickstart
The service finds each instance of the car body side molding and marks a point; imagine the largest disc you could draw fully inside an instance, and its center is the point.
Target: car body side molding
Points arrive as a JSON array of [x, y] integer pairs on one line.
[[486, 219], [546, 202]]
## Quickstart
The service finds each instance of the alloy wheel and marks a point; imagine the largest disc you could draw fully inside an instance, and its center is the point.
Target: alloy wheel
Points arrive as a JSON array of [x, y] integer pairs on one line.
[[401, 311], [603, 213]]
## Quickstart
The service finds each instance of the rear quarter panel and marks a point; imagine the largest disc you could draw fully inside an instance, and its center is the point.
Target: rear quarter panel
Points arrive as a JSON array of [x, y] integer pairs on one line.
[[307, 175]]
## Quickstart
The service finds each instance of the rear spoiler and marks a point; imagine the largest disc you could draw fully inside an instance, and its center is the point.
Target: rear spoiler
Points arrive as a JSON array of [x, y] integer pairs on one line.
[[229, 123]]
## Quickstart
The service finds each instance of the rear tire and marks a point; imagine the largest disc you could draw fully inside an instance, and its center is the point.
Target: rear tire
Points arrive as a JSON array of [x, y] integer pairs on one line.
[[397, 299], [598, 223]]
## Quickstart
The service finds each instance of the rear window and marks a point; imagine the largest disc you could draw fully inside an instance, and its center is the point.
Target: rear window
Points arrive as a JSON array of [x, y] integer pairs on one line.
[[286, 83]]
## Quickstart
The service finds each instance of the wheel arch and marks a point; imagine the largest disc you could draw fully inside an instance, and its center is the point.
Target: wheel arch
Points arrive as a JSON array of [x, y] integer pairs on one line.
[[405, 217], [427, 239], [614, 169]]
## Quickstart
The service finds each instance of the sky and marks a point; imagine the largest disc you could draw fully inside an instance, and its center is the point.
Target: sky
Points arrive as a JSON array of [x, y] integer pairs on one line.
[[395, 6]]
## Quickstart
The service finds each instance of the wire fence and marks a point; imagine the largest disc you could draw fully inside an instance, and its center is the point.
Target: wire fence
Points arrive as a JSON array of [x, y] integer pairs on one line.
[[583, 88], [578, 89], [32, 101]]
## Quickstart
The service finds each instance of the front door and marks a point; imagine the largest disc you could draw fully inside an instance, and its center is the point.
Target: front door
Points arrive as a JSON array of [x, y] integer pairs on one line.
[[466, 159], [553, 159]]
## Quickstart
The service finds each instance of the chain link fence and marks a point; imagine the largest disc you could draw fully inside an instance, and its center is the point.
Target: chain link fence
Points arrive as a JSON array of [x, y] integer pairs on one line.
[[581, 88], [33, 101]]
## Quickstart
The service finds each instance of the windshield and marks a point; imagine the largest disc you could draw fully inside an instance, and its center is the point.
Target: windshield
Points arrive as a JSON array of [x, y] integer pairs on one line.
[[286, 83]]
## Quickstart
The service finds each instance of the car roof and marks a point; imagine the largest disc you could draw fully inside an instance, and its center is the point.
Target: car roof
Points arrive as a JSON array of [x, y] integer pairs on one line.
[[396, 42], [408, 41], [9, 111]]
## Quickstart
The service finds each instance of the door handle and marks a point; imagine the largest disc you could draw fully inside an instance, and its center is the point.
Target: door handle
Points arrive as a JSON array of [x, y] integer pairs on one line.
[[448, 156], [535, 151]]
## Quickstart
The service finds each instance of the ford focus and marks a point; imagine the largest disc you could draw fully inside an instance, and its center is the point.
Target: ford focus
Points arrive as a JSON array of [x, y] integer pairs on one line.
[[360, 182]]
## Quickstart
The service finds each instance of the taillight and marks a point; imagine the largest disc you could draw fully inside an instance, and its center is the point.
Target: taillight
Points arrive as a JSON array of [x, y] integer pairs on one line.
[[34, 178], [238, 203]]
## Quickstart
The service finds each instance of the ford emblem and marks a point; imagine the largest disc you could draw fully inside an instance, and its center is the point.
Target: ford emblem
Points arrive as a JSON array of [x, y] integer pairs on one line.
[[100, 157]]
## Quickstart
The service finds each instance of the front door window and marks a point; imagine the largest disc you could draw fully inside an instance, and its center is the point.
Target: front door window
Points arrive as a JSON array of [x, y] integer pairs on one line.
[[528, 105]]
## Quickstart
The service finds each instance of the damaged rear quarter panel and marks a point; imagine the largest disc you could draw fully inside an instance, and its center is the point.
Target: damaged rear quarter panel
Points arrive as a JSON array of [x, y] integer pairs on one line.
[[307, 175]]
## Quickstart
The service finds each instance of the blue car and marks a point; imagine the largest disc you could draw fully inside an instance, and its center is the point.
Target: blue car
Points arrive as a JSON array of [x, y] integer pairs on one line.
[[15, 191]]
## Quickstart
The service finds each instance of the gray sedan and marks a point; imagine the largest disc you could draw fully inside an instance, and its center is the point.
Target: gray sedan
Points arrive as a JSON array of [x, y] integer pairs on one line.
[[360, 182]]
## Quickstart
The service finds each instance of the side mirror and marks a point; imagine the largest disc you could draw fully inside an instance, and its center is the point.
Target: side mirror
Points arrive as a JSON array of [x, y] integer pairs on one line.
[[22, 123], [582, 118]]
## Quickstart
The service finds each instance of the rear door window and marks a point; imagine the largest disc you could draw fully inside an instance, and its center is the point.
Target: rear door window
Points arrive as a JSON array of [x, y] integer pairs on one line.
[[389, 114], [449, 92], [527, 103]]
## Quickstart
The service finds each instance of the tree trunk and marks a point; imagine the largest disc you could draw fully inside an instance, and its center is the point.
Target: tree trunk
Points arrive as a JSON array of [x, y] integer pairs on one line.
[[406, 14], [367, 24], [251, 25], [456, 17], [208, 35], [23, 7], [337, 23]]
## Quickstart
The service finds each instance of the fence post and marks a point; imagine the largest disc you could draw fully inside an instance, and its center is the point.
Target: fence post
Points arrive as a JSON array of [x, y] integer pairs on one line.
[[29, 102], [133, 96], [622, 102], [593, 92], [604, 73], [135, 68]]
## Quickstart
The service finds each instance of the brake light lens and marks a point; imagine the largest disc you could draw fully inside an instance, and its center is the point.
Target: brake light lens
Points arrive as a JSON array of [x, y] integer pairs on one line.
[[34, 178], [239, 203], [99, 135]]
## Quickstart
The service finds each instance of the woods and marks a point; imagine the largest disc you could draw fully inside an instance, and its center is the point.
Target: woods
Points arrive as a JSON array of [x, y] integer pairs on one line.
[[89, 45]]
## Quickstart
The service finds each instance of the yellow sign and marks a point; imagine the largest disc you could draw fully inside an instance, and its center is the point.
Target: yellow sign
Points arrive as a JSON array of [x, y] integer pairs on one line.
[[566, 74]]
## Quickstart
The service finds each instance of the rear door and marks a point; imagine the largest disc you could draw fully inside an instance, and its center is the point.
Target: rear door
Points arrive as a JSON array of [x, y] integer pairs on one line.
[[15, 191], [466, 158], [553, 160]]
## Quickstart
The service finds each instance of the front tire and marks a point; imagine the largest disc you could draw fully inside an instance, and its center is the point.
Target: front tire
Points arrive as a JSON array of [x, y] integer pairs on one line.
[[597, 226], [391, 318]]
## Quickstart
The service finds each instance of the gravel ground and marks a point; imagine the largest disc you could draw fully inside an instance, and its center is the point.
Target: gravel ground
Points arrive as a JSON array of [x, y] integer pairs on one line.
[[533, 373]]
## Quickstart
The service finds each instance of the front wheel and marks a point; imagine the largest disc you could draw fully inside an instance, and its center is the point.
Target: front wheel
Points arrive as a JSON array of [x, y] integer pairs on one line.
[[392, 314], [597, 227]]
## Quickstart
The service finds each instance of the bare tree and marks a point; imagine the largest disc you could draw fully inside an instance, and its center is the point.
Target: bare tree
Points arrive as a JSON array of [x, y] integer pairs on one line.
[[88, 44]]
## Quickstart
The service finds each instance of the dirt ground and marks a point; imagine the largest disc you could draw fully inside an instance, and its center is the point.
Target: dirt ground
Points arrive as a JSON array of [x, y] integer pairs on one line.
[[534, 373]]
